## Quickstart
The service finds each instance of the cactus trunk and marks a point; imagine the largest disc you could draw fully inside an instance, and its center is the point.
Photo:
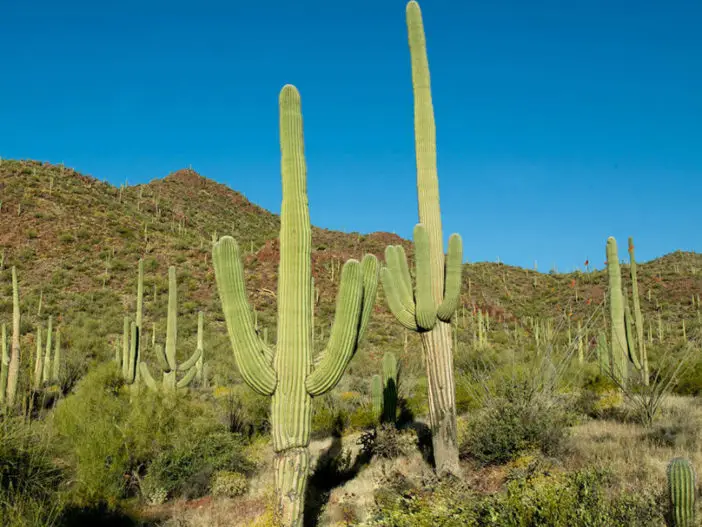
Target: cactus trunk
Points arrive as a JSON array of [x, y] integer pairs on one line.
[[682, 490], [638, 317], [13, 368], [4, 365], [620, 366]]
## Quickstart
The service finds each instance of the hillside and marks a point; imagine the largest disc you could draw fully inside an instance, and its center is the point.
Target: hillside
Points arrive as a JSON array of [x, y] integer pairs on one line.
[[76, 240]]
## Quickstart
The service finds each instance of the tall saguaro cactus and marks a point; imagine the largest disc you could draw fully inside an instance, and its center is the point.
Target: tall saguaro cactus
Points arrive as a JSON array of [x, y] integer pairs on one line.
[[13, 368], [287, 374], [620, 365], [438, 280], [638, 317], [167, 359]]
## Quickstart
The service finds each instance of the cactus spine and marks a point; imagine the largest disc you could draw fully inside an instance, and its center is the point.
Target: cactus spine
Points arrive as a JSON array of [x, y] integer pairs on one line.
[[167, 360], [682, 489], [638, 317], [616, 313], [287, 375], [438, 280], [13, 368]]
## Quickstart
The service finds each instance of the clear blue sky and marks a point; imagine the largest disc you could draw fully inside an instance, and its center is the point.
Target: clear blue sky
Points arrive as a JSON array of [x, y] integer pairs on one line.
[[559, 122]]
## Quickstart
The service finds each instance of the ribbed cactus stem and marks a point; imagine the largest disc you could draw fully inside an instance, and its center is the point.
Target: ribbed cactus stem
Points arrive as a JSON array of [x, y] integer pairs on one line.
[[682, 490], [604, 356], [288, 375], [46, 370], [638, 316], [56, 371], [4, 365], [169, 376], [377, 396], [125, 348], [616, 313], [13, 369], [389, 387], [139, 317], [38, 361]]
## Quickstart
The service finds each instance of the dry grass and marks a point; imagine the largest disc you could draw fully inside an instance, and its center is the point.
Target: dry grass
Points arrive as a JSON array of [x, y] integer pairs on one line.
[[638, 456]]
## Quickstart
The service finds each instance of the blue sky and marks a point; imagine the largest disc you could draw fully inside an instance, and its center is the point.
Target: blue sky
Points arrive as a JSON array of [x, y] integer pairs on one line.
[[558, 123]]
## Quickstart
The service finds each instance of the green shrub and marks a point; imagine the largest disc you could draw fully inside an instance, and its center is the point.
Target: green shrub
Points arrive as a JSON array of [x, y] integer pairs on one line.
[[228, 484], [510, 425]]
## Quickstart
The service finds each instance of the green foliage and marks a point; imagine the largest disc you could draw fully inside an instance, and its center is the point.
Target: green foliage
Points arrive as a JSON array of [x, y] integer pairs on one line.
[[516, 422], [152, 444], [228, 484], [28, 476], [579, 499]]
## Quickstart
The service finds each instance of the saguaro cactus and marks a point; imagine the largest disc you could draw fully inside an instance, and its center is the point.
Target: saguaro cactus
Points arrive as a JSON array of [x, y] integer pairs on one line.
[[287, 375], [389, 387], [200, 365], [377, 397], [167, 360], [620, 363], [435, 299], [638, 317], [131, 336], [682, 490], [13, 368]]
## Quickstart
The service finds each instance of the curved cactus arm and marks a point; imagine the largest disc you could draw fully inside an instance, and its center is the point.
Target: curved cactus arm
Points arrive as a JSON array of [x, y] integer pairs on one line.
[[187, 378], [344, 333], [191, 361], [396, 260], [147, 377], [630, 345], [425, 305], [369, 270], [162, 359], [452, 284], [131, 371], [229, 275], [403, 316]]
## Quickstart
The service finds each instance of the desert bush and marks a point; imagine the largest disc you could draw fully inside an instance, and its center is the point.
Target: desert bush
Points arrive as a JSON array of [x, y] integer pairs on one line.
[[227, 484], [388, 442], [118, 441], [578, 499], [513, 423]]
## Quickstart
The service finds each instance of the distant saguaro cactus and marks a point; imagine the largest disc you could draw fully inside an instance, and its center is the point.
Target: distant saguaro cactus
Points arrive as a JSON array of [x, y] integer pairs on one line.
[[13, 368], [620, 363], [167, 360]]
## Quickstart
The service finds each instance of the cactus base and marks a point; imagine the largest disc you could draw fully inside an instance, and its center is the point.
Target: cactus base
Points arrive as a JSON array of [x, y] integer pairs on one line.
[[291, 471]]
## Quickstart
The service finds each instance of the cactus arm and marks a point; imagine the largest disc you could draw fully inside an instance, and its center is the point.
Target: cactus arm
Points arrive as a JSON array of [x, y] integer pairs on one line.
[[131, 374], [403, 316], [162, 360], [426, 307], [452, 284], [184, 366], [147, 377], [369, 270], [342, 341], [187, 378], [397, 265], [229, 275], [46, 368], [630, 344]]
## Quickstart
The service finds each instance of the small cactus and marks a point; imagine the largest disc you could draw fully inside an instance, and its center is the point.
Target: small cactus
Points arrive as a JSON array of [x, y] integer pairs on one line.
[[377, 396], [389, 388], [682, 490]]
